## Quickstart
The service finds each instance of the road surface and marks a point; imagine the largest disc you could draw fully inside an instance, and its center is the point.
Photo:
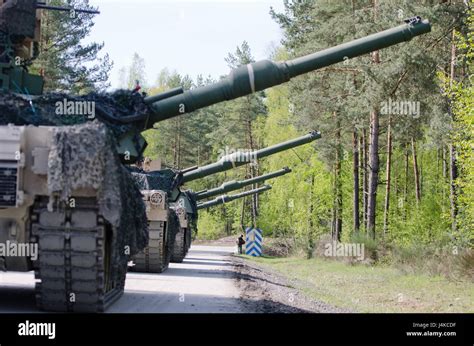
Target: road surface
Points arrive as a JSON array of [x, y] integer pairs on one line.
[[204, 283]]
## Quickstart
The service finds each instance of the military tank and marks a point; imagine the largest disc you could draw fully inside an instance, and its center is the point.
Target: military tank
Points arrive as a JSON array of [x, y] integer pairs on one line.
[[49, 204], [228, 198], [65, 183], [187, 229], [187, 200], [163, 219], [182, 212]]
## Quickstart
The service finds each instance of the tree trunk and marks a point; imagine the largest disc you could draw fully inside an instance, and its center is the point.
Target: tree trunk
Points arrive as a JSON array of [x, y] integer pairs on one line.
[[361, 180], [373, 172], [242, 215], [445, 164], [338, 201], [356, 188], [252, 170], [453, 171], [416, 172], [373, 153], [388, 177], [257, 199], [420, 169], [178, 160], [175, 146], [336, 213], [337, 182], [405, 190], [365, 192], [224, 215], [310, 221], [453, 174]]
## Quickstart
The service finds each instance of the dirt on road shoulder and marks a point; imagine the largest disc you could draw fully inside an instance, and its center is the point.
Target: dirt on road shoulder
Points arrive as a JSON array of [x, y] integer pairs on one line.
[[264, 291]]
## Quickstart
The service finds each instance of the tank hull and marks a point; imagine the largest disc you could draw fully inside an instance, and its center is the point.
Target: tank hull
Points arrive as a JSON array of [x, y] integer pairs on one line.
[[70, 233]]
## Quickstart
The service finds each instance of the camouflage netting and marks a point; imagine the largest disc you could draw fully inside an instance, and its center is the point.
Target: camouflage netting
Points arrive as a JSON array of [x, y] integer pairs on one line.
[[192, 217], [165, 180], [173, 227], [43, 110], [18, 18], [192, 201], [84, 157]]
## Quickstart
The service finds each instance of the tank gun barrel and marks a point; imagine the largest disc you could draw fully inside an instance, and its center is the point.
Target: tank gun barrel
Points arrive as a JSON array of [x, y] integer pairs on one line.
[[227, 198], [235, 185], [242, 158], [42, 5], [261, 75]]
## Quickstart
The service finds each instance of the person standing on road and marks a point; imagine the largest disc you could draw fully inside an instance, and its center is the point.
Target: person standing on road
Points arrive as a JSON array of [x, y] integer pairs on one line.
[[240, 242]]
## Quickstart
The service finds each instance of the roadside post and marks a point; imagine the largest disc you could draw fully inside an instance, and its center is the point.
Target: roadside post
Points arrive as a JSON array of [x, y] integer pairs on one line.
[[253, 241]]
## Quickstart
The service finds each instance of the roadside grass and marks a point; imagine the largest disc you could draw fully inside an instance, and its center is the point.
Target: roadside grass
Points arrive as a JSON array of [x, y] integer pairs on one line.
[[379, 288]]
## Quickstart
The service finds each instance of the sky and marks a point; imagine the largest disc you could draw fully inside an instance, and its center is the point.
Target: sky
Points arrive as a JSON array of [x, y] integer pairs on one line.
[[192, 37]]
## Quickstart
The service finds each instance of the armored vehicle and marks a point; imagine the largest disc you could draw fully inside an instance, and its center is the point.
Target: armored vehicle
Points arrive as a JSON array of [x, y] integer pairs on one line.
[[65, 187], [187, 228], [183, 206]]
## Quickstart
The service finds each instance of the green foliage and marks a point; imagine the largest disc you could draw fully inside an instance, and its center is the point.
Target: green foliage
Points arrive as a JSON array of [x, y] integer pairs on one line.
[[210, 226], [293, 208], [382, 289], [460, 92], [337, 101], [371, 246], [425, 223], [68, 64]]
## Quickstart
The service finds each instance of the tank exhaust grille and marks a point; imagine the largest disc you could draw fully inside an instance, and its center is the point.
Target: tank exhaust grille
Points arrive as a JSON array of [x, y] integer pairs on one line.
[[8, 184]]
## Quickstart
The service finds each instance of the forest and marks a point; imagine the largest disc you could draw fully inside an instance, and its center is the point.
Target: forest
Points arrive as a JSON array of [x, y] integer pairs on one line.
[[394, 168]]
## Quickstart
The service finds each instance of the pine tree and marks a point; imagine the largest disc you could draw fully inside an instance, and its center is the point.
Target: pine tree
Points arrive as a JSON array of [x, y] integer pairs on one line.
[[68, 64]]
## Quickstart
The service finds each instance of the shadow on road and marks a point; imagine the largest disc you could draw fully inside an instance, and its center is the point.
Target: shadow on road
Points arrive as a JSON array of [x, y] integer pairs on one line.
[[17, 299], [212, 253], [207, 263], [199, 272], [22, 300], [135, 301], [204, 259], [224, 273]]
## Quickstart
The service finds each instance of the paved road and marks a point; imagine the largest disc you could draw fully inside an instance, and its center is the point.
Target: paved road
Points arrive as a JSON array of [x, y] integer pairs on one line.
[[204, 282]]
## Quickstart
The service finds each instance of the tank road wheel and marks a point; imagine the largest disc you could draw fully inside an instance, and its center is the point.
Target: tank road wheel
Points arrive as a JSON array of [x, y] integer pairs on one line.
[[155, 258], [180, 246], [75, 271]]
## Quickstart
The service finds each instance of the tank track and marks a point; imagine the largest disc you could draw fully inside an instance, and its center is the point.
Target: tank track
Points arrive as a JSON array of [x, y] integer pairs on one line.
[[74, 266], [155, 258], [180, 247]]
